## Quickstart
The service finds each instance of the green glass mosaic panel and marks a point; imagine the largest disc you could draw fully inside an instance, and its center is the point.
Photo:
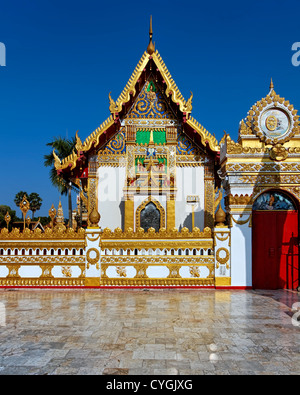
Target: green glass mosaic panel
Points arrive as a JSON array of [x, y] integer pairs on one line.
[[143, 137]]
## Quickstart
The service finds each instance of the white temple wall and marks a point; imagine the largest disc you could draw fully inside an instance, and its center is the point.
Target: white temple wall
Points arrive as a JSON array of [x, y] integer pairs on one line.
[[111, 181], [241, 253], [189, 181]]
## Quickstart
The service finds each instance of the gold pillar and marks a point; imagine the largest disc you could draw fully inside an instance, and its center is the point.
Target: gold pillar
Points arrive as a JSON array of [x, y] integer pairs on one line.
[[92, 189], [129, 213], [170, 213], [209, 195]]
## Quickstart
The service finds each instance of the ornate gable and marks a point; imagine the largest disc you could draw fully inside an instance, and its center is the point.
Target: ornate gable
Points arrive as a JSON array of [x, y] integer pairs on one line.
[[150, 99], [151, 103]]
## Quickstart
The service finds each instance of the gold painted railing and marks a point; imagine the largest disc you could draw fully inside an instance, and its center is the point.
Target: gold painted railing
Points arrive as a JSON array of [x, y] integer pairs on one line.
[[164, 239]]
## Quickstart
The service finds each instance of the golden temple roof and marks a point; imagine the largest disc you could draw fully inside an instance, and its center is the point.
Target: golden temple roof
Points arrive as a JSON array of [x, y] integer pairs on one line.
[[129, 91]]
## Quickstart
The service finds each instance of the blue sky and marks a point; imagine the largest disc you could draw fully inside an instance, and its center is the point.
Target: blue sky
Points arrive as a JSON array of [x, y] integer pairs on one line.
[[64, 57]]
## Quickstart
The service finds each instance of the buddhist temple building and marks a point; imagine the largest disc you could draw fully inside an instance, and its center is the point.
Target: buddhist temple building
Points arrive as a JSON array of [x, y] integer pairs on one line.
[[167, 204]]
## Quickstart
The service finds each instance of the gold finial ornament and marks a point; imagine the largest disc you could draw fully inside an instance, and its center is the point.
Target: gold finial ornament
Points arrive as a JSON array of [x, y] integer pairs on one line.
[[7, 218], [52, 214], [151, 46], [94, 217], [28, 221], [271, 85], [220, 216], [24, 207]]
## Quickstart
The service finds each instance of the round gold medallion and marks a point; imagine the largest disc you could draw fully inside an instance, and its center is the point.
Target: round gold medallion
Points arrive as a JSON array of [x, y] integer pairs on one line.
[[271, 122]]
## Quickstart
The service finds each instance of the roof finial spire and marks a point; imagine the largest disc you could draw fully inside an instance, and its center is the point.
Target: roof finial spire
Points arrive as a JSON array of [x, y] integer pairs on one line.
[[271, 85], [151, 47]]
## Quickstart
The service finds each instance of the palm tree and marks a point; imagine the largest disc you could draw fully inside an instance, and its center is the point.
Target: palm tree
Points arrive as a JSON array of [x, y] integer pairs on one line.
[[35, 202], [63, 147]]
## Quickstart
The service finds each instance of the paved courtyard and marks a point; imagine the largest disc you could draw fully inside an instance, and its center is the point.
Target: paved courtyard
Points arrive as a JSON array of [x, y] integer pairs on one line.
[[148, 332]]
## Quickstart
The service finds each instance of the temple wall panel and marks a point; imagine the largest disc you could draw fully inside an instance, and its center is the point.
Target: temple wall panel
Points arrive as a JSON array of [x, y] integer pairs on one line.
[[189, 182], [111, 181]]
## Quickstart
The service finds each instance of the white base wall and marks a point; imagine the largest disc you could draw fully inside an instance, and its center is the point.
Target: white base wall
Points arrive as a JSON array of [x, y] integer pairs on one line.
[[241, 256]]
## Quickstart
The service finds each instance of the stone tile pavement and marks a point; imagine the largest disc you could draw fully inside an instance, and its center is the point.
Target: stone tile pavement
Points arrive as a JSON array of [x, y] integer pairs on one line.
[[148, 332]]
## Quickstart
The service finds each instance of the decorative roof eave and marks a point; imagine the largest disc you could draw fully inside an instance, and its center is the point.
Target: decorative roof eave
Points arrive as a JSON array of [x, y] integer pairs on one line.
[[206, 137], [92, 140]]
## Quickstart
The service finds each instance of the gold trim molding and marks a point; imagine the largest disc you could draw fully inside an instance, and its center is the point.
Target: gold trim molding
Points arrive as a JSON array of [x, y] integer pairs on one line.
[[163, 233], [58, 233]]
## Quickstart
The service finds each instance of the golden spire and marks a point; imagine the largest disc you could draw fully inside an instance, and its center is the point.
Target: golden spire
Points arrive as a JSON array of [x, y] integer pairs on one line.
[[271, 85], [60, 214], [151, 46]]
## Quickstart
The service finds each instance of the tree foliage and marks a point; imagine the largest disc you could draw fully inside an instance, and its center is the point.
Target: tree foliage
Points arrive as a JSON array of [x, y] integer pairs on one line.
[[19, 197], [34, 200], [3, 210], [63, 148]]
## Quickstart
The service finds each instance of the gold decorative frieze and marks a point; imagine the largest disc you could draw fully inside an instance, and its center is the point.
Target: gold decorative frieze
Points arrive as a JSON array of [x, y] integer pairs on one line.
[[42, 282], [271, 179], [238, 200], [181, 260], [161, 234], [41, 245], [157, 282], [163, 239], [59, 233], [29, 260], [263, 167]]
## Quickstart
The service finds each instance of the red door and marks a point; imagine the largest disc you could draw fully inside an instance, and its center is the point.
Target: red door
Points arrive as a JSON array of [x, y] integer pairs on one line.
[[275, 260]]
